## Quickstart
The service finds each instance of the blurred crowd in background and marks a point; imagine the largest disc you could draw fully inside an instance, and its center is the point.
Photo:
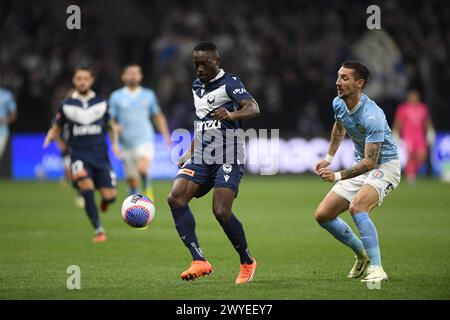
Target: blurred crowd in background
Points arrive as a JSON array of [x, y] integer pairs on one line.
[[287, 54]]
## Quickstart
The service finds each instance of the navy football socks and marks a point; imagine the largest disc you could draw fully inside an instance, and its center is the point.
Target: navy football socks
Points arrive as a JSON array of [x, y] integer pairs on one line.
[[185, 225], [235, 233], [91, 207]]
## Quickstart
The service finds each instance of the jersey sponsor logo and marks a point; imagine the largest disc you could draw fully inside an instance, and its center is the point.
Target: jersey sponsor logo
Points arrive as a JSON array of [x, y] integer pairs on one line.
[[360, 128], [86, 130], [210, 99], [239, 91], [378, 174], [376, 131], [227, 168], [208, 125], [185, 171]]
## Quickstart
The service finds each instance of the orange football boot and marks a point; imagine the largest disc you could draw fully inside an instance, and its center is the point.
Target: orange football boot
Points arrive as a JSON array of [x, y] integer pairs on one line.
[[246, 273], [99, 237], [198, 268]]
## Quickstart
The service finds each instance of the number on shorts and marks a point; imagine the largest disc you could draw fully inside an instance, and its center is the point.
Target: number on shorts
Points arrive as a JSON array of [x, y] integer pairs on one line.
[[78, 170], [113, 176]]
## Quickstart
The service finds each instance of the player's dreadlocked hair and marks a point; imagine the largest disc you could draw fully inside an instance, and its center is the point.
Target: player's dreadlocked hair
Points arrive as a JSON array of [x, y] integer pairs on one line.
[[360, 70]]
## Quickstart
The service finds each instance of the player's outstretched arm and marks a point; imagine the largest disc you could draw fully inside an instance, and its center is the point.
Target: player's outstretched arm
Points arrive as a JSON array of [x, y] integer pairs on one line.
[[161, 123], [187, 155], [337, 135], [248, 109], [396, 129], [372, 153], [12, 116], [52, 134], [113, 130]]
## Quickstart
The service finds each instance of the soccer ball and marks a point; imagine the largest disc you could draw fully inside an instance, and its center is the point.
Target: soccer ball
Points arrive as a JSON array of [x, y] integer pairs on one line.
[[138, 211]]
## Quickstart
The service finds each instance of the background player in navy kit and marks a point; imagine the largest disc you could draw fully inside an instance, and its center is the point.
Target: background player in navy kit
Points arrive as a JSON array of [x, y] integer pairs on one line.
[[87, 117], [220, 101]]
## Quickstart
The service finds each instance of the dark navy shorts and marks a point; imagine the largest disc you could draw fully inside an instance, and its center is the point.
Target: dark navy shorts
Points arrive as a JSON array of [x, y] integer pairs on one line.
[[212, 176], [101, 173]]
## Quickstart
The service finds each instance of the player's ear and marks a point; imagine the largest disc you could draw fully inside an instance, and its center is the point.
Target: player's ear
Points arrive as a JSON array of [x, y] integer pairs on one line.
[[360, 83]]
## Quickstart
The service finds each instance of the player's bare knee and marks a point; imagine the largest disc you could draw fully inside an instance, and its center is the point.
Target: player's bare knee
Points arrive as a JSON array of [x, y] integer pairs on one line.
[[357, 207], [175, 201], [222, 213], [85, 184], [320, 216]]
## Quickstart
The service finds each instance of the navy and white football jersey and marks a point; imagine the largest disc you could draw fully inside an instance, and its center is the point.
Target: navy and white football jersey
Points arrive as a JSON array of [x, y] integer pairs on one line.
[[85, 119], [226, 91]]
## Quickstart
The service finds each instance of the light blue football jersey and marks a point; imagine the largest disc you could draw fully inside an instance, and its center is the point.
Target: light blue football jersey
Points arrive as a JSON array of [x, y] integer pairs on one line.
[[7, 105], [132, 110], [366, 124]]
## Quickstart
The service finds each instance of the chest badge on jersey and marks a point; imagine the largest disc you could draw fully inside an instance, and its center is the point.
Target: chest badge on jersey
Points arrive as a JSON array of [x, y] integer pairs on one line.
[[144, 103], [227, 168], [360, 128], [378, 174], [210, 99], [124, 104]]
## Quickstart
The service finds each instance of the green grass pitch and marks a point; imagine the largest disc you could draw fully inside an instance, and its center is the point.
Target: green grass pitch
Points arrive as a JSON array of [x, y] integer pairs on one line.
[[42, 233]]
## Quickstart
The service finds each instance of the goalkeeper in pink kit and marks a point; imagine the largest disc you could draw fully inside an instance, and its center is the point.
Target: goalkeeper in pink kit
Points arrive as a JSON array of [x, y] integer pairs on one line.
[[413, 124]]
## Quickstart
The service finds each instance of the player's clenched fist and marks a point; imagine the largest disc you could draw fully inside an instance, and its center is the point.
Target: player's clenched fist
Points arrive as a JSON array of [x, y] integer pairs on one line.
[[326, 174], [320, 165], [222, 114]]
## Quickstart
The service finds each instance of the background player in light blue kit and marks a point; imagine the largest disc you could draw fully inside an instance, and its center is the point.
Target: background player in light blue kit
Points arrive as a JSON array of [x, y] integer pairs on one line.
[[364, 186], [132, 107], [8, 115]]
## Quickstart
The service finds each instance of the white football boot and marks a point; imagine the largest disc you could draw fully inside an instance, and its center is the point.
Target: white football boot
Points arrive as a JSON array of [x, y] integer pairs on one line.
[[375, 275], [359, 267]]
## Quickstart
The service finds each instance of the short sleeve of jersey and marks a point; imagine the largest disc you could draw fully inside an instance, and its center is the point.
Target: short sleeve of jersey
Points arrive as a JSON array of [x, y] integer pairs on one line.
[[154, 104], [335, 105], [11, 104], [112, 106], [236, 90], [375, 129], [60, 118]]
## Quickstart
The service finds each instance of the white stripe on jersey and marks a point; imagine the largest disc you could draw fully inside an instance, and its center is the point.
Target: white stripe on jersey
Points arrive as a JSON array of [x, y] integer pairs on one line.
[[210, 101], [85, 116]]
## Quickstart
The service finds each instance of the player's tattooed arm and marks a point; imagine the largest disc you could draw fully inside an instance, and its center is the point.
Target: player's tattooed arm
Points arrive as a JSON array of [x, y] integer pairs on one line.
[[372, 153], [248, 109], [52, 134], [337, 135]]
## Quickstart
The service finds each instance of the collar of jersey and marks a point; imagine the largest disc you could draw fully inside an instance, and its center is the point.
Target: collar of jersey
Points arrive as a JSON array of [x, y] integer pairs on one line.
[[217, 77], [90, 95], [358, 105], [133, 93]]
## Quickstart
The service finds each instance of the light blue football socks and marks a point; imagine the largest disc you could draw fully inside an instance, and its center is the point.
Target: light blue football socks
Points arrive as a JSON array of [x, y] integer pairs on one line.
[[342, 231], [369, 237]]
